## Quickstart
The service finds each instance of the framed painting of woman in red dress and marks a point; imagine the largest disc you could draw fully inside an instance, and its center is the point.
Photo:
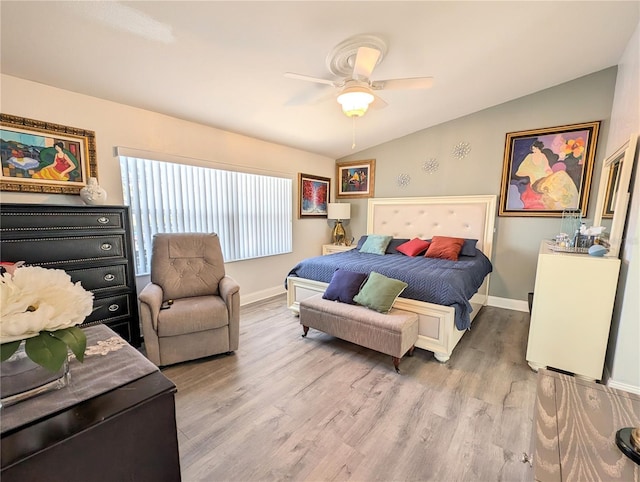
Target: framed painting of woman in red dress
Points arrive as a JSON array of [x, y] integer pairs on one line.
[[39, 156]]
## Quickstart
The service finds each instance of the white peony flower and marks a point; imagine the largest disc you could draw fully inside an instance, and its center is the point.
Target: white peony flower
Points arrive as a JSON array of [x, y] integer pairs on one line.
[[36, 299]]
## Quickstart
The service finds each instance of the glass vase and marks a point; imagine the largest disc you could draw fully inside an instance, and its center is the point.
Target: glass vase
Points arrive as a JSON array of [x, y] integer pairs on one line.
[[21, 378]]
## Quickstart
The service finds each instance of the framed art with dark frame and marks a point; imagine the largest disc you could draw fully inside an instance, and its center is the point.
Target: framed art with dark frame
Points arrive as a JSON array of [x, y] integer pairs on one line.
[[38, 156], [356, 179], [546, 171], [314, 193]]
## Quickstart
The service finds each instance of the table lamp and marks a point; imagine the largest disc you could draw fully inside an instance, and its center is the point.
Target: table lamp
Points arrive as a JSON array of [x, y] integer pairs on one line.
[[339, 212]]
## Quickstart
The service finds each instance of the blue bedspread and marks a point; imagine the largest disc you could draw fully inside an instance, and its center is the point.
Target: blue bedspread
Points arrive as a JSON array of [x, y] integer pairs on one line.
[[439, 281]]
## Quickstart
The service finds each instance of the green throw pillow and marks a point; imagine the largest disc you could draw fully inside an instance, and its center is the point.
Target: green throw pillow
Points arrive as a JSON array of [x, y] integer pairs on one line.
[[379, 292], [376, 244]]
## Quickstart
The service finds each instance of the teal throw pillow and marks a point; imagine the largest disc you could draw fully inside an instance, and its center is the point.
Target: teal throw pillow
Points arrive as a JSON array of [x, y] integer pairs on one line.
[[376, 244], [379, 292]]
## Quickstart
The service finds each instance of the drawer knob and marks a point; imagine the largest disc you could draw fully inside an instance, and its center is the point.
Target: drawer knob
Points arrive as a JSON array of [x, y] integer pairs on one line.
[[109, 277], [103, 220], [106, 246], [114, 307]]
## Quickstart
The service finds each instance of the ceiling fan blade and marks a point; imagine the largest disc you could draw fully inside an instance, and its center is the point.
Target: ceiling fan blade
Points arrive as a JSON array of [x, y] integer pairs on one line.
[[378, 103], [366, 60], [315, 94], [406, 84], [308, 78]]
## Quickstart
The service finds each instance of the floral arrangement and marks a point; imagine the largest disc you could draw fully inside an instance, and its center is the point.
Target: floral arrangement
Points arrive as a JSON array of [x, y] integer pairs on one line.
[[42, 307]]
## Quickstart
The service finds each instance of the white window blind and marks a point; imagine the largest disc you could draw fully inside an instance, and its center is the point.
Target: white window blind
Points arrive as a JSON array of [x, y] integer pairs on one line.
[[250, 213]]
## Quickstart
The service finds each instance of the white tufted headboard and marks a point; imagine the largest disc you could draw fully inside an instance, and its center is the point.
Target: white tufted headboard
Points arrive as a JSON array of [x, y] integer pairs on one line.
[[425, 217]]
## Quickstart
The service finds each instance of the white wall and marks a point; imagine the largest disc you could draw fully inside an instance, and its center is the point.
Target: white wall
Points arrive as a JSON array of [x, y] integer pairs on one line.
[[623, 355], [120, 125]]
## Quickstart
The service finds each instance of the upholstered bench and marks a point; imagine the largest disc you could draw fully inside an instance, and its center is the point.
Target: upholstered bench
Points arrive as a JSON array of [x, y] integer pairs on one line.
[[394, 333]]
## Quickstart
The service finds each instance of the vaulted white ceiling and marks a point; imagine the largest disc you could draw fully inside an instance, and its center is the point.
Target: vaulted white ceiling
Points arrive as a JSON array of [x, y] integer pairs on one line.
[[222, 63]]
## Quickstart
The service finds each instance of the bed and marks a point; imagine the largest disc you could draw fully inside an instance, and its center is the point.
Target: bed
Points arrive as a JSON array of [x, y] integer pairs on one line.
[[470, 217]]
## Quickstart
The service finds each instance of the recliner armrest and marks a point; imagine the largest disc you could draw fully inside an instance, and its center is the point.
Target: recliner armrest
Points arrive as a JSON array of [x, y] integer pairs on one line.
[[228, 287], [151, 295], [230, 292]]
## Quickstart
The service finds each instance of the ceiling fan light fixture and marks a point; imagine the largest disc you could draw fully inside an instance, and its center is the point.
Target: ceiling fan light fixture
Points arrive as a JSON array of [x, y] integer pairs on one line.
[[355, 100]]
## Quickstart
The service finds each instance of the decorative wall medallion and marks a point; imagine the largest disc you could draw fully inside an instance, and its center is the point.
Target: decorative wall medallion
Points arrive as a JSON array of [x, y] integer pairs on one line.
[[430, 165], [461, 150], [403, 180]]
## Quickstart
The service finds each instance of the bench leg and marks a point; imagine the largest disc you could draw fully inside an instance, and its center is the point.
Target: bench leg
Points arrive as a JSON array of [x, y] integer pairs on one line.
[[306, 330], [396, 360], [396, 363]]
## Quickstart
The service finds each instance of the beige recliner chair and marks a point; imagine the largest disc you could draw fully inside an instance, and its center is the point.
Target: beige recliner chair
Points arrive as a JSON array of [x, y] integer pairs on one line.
[[191, 309]]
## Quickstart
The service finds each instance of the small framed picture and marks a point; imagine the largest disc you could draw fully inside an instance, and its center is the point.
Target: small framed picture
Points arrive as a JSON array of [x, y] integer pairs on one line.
[[314, 193], [38, 156], [355, 179], [548, 170]]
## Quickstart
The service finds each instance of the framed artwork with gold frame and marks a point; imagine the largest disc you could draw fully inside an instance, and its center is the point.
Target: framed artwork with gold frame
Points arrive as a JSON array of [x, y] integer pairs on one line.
[[356, 179], [42, 157], [548, 170]]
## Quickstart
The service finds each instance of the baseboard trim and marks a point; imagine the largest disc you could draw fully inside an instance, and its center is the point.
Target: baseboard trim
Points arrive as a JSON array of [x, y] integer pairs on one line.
[[260, 295], [623, 386], [507, 303]]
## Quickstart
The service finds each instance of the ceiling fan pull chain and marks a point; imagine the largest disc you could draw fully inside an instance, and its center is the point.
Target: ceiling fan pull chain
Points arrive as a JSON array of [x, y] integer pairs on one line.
[[353, 132]]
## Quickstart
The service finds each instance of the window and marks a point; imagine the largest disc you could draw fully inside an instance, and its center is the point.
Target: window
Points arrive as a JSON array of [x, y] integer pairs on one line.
[[250, 213]]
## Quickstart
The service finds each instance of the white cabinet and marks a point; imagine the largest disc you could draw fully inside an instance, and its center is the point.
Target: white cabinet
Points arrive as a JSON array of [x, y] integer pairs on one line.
[[571, 314]]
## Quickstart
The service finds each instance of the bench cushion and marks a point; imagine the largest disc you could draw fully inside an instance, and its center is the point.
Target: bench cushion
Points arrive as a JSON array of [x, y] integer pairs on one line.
[[392, 333]]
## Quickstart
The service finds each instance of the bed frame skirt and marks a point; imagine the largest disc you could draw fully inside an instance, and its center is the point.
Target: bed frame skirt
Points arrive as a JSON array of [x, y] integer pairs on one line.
[[462, 216]]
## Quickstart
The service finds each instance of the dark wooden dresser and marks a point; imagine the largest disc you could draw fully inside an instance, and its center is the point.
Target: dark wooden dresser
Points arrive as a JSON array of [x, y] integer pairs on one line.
[[114, 421], [92, 244], [126, 434], [574, 430]]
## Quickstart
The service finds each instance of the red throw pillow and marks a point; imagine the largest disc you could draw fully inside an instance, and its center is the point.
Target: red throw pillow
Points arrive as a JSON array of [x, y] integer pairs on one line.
[[414, 247], [444, 247]]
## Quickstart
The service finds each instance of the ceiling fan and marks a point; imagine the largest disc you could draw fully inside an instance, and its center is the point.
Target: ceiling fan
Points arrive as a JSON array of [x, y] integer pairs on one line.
[[354, 61]]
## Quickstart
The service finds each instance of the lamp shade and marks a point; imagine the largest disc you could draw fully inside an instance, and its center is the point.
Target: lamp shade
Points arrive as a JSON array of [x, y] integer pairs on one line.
[[339, 211]]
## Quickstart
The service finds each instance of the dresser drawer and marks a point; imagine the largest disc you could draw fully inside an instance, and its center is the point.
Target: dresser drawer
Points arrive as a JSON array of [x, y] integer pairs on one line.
[[61, 219], [123, 329], [108, 309], [101, 278], [54, 252]]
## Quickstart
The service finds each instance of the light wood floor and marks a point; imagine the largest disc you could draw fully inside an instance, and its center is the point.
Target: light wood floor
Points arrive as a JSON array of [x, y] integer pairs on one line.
[[288, 408]]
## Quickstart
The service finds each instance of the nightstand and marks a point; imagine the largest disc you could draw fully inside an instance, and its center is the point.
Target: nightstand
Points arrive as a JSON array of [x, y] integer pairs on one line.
[[334, 248]]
